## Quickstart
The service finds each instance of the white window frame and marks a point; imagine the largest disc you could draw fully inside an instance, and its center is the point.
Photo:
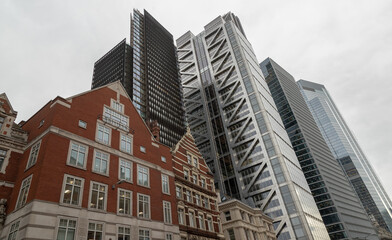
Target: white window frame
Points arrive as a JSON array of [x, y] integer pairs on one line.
[[195, 161], [167, 216], [14, 229], [80, 192], [33, 156], [210, 223], [114, 103], [144, 216], [99, 171], [109, 116], [197, 199], [78, 152], [118, 201], [140, 167], [201, 221], [203, 182], [104, 132], [119, 170], [118, 226], [188, 197], [67, 227], [24, 190], [186, 176], [181, 216], [193, 219], [179, 194], [82, 124], [165, 184], [189, 159], [95, 230], [126, 136], [3, 158], [144, 236], [104, 198], [195, 178]]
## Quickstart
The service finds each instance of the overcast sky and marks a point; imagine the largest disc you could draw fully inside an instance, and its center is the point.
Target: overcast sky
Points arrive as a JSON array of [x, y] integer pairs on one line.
[[48, 49]]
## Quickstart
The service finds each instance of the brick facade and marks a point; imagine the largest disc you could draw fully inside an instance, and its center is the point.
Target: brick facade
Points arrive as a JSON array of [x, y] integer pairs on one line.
[[195, 193], [69, 172]]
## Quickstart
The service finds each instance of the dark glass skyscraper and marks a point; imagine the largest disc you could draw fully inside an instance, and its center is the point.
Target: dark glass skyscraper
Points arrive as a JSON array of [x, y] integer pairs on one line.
[[336, 200], [114, 66], [237, 128], [347, 151], [150, 75]]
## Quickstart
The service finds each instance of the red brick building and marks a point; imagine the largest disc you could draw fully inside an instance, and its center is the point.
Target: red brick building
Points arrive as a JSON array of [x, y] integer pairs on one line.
[[91, 169], [197, 205], [12, 141]]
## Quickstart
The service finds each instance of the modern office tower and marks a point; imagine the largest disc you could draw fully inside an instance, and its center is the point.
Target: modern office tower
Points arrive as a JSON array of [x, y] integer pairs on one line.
[[346, 150], [336, 200], [114, 66], [238, 130], [157, 92], [149, 72]]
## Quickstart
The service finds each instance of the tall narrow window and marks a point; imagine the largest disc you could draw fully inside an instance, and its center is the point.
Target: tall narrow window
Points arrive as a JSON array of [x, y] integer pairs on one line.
[[165, 184], [189, 159], [3, 153], [203, 182], [143, 206], [124, 233], [1, 121], [66, 229], [95, 231], [33, 154], [167, 212], [98, 196], [169, 236], [77, 156], [125, 170], [126, 143], [101, 162], [72, 190], [231, 234], [188, 195], [195, 161], [201, 221], [194, 178], [209, 224], [124, 201], [191, 219], [103, 134], [197, 198], [24, 191], [178, 192], [13, 231], [143, 176], [186, 174], [181, 216]]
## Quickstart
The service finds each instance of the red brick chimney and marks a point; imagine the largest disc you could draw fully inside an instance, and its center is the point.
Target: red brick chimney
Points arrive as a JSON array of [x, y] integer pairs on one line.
[[154, 128]]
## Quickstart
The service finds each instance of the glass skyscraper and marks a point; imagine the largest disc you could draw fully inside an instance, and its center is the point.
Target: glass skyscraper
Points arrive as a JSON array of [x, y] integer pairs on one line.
[[348, 153], [237, 128], [336, 200], [148, 70]]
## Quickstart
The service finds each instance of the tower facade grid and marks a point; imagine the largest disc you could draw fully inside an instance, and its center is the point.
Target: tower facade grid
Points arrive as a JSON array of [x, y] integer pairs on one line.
[[348, 153]]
